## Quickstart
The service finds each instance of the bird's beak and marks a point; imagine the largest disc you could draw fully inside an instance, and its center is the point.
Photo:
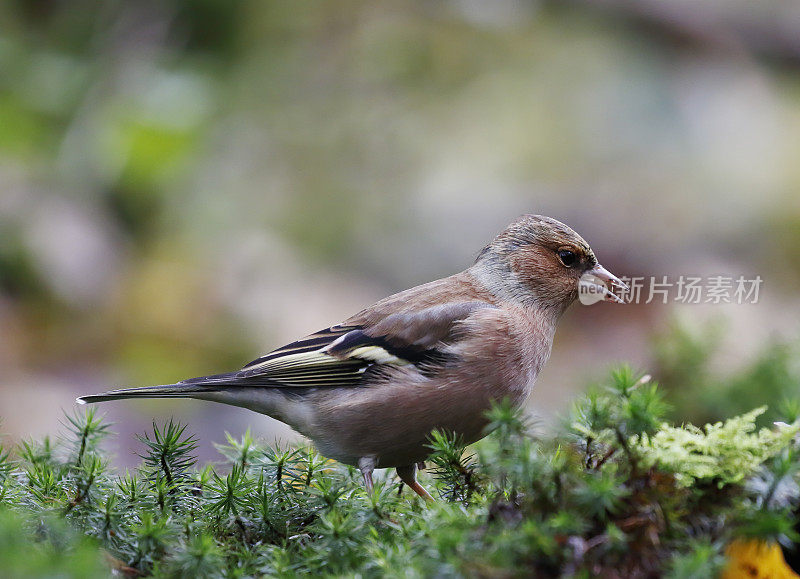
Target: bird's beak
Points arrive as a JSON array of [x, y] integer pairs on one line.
[[602, 281]]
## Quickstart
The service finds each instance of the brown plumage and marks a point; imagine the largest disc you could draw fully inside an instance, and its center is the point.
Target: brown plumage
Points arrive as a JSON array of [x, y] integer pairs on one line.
[[370, 390]]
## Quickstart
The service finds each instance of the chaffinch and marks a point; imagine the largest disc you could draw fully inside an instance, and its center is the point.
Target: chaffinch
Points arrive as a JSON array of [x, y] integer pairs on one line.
[[369, 391]]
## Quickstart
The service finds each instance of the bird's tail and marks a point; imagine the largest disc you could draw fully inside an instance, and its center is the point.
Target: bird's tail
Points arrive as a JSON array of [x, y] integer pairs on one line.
[[186, 389]]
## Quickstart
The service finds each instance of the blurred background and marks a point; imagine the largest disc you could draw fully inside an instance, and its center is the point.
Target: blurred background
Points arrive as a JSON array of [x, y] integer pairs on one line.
[[187, 184]]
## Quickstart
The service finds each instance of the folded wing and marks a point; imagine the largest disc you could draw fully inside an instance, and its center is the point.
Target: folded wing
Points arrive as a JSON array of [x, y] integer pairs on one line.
[[339, 355]]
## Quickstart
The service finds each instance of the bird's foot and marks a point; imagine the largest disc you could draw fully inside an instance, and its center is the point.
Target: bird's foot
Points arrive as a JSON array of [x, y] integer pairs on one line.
[[366, 464], [408, 474]]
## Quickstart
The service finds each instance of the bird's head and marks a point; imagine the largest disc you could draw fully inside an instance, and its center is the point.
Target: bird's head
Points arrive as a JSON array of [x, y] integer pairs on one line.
[[540, 262]]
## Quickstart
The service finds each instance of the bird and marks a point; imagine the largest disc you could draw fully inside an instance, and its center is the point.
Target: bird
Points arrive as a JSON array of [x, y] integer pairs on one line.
[[369, 391]]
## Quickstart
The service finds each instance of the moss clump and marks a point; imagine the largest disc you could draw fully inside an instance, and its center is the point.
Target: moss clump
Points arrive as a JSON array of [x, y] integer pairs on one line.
[[617, 492], [725, 452]]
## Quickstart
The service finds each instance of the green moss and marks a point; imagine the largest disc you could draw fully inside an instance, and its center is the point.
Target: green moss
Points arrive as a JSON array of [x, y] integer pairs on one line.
[[619, 491], [724, 452]]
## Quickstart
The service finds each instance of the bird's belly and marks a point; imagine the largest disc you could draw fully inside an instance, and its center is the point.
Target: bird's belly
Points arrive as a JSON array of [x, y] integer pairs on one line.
[[394, 427], [389, 450]]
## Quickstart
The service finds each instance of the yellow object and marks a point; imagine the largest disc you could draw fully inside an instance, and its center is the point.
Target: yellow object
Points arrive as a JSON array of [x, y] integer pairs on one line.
[[754, 559]]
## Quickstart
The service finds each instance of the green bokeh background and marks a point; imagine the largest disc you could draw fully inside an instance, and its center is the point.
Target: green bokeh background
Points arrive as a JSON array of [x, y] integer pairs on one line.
[[185, 185]]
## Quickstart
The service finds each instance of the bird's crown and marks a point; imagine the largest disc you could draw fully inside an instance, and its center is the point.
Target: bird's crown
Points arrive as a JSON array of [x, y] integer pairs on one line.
[[535, 229]]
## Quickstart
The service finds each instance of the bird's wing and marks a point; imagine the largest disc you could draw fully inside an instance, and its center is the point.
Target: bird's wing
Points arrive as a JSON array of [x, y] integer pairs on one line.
[[339, 355]]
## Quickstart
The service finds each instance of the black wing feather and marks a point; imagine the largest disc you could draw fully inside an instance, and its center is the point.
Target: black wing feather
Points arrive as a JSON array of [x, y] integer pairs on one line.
[[340, 355], [310, 343]]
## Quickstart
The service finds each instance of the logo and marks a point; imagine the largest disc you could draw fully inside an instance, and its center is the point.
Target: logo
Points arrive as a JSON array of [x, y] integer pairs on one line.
[[592, 289]]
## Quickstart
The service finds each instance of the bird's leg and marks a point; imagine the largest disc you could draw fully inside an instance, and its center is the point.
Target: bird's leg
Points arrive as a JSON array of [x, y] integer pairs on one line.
[[408, 474], [366, 464]]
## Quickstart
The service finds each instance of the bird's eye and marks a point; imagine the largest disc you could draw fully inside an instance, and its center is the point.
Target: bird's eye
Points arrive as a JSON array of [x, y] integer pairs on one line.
[[567, 257]]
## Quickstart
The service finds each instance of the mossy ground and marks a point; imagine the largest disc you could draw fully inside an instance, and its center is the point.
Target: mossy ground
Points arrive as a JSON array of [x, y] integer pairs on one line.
[[616, 492]]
